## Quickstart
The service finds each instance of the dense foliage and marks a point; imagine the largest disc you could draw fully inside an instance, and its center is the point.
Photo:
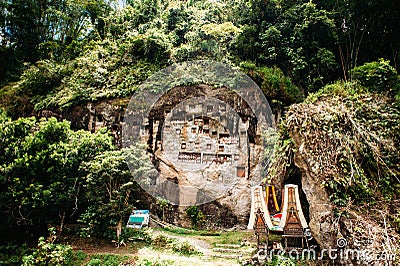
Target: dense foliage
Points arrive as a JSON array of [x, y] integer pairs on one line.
[[51, 174], [40, 169], [339, 56], [110, 190], [79, 51]]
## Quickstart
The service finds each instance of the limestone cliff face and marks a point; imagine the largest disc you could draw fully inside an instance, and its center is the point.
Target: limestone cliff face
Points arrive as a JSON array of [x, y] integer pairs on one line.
[[320, 210], [229, 145], [325, 142], [365, 239], [94, 115], [207, 138]]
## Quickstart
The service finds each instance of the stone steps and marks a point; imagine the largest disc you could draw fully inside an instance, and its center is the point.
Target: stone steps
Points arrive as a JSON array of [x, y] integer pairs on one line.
[[226, 256], [226, 250], [228, 245]]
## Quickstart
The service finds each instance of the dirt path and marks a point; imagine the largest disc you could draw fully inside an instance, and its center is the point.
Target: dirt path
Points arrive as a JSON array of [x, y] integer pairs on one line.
[[200, 245], [141, 253], [92, 246]]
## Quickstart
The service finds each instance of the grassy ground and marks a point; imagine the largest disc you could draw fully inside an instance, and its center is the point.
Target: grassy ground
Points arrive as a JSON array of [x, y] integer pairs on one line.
[[151, 246], [162, 247], [215, 237]]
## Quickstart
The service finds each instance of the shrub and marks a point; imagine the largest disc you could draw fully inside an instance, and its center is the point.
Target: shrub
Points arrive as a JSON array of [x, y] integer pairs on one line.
[[378, 76], [196, 215], [49, 253], [273, 82], [94, 262], [339, 88], [160, 241], [106, 260], [43, 77], [11, 254], [184, 248]]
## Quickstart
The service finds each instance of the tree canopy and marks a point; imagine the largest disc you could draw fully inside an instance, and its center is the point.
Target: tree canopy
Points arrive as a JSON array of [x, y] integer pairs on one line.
[[117, 44]]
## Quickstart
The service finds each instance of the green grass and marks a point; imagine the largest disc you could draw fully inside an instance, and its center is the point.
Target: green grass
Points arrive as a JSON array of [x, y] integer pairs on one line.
[[233, 237], [80, 257], [106, 260], [213, 237], [191, 232]]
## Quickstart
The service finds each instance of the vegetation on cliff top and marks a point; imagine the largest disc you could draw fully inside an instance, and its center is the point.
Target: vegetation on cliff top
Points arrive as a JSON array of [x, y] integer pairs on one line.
[[65, 53]]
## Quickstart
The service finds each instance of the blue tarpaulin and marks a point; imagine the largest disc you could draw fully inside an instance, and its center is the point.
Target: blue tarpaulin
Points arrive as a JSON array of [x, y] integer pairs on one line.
[[138, 219]]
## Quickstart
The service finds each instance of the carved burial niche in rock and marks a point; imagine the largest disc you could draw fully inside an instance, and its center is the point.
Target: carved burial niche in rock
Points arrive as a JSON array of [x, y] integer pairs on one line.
[[200, 128]]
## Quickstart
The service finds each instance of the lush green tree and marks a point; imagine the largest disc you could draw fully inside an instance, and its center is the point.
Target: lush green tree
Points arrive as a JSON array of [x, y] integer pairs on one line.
[[247, 45], [298, 37], [378, 76], [164, 205], [147, 10], [310, 33], [31, 30], [275, 85], [367, 30], [41, 181], [111, 190]]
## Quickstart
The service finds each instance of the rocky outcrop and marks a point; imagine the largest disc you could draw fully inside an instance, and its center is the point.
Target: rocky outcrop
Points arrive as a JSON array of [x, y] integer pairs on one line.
[[93, 115], [325, 141], [233, 205], [320, 210], [213, 145]]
